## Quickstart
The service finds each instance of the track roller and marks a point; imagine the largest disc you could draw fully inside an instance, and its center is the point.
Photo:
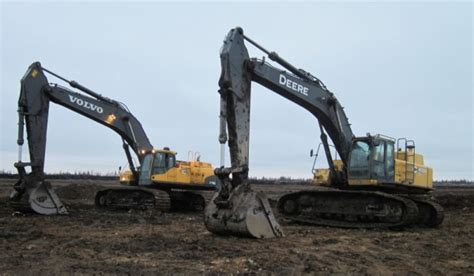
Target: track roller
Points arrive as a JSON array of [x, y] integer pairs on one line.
[[133, 198]]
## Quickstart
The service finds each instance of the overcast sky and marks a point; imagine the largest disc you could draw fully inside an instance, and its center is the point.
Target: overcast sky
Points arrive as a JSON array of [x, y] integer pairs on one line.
[[400, 69]]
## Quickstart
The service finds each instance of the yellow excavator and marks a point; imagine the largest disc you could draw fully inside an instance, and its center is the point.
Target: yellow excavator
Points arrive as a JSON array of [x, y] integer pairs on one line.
[[373, 184], [159, 181]]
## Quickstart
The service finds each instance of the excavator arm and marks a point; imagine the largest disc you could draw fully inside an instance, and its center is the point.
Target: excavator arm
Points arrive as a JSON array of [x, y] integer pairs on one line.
[[33, 110]]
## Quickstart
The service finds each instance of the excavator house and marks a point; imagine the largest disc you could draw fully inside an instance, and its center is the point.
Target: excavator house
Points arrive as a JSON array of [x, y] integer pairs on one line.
[[373, 184]]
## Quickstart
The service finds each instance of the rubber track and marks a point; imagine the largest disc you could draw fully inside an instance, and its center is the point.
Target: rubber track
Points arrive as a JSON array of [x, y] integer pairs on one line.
[[409, 215]]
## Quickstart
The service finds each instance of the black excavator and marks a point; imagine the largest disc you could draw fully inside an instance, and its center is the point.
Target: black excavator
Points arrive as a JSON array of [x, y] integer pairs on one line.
[[160, 181], [371, 186]]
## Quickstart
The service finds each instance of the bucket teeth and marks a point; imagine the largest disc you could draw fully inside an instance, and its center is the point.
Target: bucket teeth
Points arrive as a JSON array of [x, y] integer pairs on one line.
[[244, 213]]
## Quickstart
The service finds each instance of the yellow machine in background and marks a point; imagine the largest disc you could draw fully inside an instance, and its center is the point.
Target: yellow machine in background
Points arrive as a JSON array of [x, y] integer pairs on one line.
[[321, 176], [168, 170], [157, 180], [163, 183]]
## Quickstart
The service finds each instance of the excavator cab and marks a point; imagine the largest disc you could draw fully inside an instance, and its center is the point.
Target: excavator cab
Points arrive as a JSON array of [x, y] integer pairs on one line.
[[371, 160], [157, 162]]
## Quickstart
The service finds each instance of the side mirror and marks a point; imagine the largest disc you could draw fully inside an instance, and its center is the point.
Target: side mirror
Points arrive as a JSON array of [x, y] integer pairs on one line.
[[311, 153], [120, 168]]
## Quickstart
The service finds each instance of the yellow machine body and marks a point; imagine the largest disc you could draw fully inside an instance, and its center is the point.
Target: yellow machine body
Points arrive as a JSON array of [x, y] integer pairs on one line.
[[412, 174], [410, 171], [187, 172], [183, 172]]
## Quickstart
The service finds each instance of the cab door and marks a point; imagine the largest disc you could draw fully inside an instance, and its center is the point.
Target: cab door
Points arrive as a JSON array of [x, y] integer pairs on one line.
[[378, 160], [171, 170], [383, 163], [390, 161]]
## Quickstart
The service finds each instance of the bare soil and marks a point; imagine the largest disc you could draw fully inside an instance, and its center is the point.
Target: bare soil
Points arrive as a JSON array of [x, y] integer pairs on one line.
[[91, 241]]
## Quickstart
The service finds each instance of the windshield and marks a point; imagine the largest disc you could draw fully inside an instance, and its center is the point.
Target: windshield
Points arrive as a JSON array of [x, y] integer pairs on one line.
[[145, 170], [163, 162], [359, 163]]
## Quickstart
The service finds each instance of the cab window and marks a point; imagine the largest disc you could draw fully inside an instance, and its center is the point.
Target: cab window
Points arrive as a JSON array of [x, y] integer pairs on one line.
[[379, 159], [163, 162], [390, 161], [159, 164], [359, 163], [171, 161]]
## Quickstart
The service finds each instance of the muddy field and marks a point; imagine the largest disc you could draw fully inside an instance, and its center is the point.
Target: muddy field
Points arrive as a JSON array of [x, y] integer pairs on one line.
[[90, 241]]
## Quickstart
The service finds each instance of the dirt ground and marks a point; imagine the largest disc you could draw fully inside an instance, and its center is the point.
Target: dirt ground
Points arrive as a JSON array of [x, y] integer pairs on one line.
[[90, 241]]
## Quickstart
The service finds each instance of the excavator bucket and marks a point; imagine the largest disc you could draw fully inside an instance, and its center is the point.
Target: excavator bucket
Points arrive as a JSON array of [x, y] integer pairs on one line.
[[36, 197], [244, 213]]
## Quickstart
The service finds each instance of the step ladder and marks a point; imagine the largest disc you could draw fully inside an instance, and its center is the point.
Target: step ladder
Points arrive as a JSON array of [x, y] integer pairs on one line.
[[409, 150]]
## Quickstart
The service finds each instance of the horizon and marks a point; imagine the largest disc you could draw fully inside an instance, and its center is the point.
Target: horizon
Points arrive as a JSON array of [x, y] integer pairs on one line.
[[117, 174]]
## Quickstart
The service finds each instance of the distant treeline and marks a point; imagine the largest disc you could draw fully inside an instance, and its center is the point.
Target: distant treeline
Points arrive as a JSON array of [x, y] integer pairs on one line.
[[69, 175], [453, 182], [114, 176], [257, 180]]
